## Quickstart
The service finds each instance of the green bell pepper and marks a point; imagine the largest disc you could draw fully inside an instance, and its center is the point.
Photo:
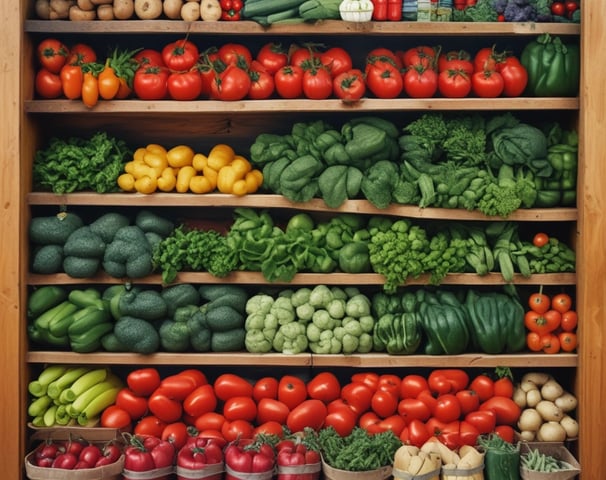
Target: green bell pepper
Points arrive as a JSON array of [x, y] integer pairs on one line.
[[397, 334]]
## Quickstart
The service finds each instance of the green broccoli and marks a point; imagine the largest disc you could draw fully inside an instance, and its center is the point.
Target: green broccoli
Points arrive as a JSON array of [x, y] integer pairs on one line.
[[431, 127], [466, 141], [507, 193]]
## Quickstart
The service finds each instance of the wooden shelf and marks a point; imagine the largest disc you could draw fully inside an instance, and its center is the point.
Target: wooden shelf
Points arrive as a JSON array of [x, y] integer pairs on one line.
[[256, 278], [278, 201], [324, 27], [278, 106], [366, 360]]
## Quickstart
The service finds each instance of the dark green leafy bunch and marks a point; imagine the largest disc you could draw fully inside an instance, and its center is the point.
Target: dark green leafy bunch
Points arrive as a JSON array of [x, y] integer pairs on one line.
[[194, 250], [79, 164], [359, 451]]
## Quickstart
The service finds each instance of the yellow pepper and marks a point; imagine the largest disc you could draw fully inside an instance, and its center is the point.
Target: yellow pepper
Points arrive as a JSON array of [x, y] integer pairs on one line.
[[220, 156], [180, 156]]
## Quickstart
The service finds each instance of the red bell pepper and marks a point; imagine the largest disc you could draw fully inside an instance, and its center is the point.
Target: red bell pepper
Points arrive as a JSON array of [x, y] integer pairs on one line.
[[394, 10], [231, 10], [379, 12]]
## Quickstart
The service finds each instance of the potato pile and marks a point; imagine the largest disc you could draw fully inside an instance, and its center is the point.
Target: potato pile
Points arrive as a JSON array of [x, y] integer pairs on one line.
[[86, 10], [546, 409]]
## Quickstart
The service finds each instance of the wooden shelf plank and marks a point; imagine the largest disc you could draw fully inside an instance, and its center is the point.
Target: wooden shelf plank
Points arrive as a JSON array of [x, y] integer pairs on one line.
[[323, 27], [278, 201], [256, 278], [278, 106], [367, 360]]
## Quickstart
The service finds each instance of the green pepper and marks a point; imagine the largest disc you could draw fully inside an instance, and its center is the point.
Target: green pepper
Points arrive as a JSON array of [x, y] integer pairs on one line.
[[553, 67], [445, 327]]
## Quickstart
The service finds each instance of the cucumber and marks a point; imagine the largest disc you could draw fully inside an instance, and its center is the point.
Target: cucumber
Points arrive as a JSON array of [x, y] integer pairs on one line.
[[267, 7], [283, 15]]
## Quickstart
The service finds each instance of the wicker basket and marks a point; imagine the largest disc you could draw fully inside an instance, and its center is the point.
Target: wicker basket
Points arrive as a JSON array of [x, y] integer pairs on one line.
[[331, 473], [557, 451]]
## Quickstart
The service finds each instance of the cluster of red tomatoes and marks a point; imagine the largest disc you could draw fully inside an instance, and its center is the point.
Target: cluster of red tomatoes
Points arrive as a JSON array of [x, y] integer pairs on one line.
[[180, 71], [447, 404], [551, 323], [74, 454]]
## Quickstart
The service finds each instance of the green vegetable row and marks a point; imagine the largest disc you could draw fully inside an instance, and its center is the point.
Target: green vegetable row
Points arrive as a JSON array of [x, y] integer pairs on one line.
[[322, 320], [495, 165]]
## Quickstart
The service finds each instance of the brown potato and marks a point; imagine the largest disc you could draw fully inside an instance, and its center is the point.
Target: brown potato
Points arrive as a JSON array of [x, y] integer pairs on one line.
[[105, 12], [76, 14], [148, 9], [123, 9], [172, 9]]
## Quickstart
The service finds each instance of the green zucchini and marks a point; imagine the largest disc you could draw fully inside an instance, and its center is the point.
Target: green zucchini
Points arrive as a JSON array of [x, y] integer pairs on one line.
[[267, 7], [283, 15]]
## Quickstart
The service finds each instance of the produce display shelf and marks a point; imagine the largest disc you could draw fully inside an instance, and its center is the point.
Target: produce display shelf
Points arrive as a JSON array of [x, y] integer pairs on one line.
[[278, 106], [278, 201], [366, 360], [323, 27], [256, 278]]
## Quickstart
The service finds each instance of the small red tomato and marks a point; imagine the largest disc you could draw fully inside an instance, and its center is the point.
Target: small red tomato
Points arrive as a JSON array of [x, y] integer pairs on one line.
[[569, 321], [540, 239], [562, 302], [539, 302], [558, 8]]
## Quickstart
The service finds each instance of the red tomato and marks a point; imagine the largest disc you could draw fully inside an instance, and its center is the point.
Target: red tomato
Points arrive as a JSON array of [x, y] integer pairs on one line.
[[468, 433], [384, 403], [71, 81], [269, 428], [52, 54], [533, 341], [506, 432], [542, 323], [483, 385], [370, 422], [184, 85], [231, 84], [230, 385], [569, 321], [209, 421], [469, 400], [301, 56], [505, 409], [196, 375], [349, 86], [568, 341], [515, 77], [90, 455], [240, 408], [484, 420], [177, 387], [48, 84], [456, 60], [413, 408], [485, 59], [235, 54], [272, 56], [487, 84], [81, 53], [163, 406], [237, 429], [562, 302], [412, 385], [550, 343], [149, 57], [289, 81], [390, 383], [310, 413], [447, 408], [447, 380], [539, 302], [371, 379], [143, 381], [151, 83], [420, 82], [343, 421], [135, 406], [503, 387], [291, 391], [180, 55], [115, 417], [415, 433], [324, 386], [426, 396], [571, 7], [336, 60], [454, 83], [149, 425], [395, 423], [262, 83], [422, 55], [266, 387], [176, 434], [317, 83], [270, 409], [383, 79], [201, 400], [558, 8], [358, 396], [385, 54]]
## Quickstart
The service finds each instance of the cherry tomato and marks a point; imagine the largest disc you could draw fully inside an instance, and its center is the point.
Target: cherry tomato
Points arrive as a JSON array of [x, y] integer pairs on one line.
[[230, 385], [539, 302], [266, 387], [324, 386], [571, 7], [143, 381], [540, 239], [562, 302], [569, 320], [310, 413], [568, 341], [291, 391], [558, 8]]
